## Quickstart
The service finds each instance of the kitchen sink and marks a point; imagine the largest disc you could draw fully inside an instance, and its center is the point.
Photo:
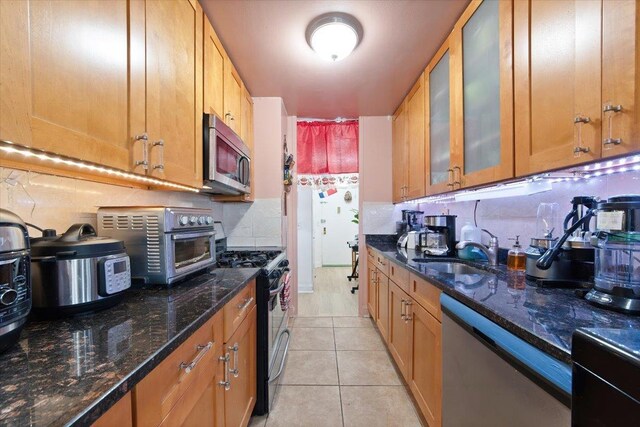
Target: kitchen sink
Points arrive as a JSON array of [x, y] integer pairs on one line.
[[451, 267]]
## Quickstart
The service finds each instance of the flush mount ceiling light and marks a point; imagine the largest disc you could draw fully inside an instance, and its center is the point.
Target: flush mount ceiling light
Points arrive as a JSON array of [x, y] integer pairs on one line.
[[334, 35]]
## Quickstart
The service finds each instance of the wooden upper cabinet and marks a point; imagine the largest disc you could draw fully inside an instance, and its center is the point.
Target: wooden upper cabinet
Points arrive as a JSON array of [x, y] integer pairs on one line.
[[438, 112], [232, 97], [557, 71], [620, 77], [399, 154], [174, 89], [64, 79], [213, 60], [482, 65], [415, 141]]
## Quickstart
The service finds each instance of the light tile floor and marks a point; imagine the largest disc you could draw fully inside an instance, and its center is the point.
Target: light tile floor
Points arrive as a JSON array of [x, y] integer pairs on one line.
[[339, 374]]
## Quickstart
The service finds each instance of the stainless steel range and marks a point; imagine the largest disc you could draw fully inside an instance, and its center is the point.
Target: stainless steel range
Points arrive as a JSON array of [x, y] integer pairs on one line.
[[272, 309]]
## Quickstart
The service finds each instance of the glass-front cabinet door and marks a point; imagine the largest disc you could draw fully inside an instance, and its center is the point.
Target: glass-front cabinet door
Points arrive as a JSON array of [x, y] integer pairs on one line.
[[482, 63], [438, 114]]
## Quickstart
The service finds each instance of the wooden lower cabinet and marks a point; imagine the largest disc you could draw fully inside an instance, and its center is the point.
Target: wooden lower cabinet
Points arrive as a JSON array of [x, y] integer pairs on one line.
[[119, 415], [240, 398], [425, 373], [399, 338], [382, 311]]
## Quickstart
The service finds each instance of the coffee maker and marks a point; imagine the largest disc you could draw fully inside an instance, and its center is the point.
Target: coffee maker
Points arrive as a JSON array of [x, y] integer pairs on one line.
[[439, 235], [617, 255], [411, 222]]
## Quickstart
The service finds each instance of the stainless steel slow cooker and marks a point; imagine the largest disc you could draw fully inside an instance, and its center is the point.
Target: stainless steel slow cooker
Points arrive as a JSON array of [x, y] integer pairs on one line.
[[77, 272]]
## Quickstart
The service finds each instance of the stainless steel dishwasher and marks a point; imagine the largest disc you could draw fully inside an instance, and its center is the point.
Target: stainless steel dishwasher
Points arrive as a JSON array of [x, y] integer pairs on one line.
[[491, 378]]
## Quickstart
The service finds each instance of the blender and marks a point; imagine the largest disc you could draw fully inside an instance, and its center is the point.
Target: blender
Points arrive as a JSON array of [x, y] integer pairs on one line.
[[617, 255]]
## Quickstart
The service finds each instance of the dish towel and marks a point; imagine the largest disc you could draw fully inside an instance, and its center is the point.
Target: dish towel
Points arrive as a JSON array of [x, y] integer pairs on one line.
[[284, 295]]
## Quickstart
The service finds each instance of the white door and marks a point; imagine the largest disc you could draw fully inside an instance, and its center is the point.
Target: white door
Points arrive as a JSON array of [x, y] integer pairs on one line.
[[337, 228]]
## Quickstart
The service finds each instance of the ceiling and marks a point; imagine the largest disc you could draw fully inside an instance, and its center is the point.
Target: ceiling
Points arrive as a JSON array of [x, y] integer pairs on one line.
[[266, 42]]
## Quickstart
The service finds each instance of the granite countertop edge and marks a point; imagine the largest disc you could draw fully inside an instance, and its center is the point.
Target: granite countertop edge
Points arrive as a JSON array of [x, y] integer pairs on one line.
[[102, 404], [541, 344]]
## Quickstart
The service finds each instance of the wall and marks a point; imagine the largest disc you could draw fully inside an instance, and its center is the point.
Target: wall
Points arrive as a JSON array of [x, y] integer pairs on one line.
[[56, 202], [376, 209], [517, 215], [293, 251]]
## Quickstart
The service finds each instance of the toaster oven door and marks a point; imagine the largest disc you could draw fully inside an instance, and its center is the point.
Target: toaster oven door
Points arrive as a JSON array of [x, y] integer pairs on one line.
[[190, 252]]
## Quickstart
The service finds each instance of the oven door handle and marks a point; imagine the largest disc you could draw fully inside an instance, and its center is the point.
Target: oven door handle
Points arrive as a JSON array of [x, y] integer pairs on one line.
[[279, 288], [284, 356], [184, 236]]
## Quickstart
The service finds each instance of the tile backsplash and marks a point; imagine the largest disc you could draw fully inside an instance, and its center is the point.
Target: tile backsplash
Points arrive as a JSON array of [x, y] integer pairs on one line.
[[254, 224], [513, 216], [57, 202]]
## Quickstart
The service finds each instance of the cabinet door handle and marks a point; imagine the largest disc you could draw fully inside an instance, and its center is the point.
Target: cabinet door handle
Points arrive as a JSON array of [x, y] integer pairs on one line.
[[579, 149], [160, 144], [450, 178], [202, 350], [402, 306], [246, 304], [234, 371], [145, 150], [610, 110], [226, 383], [459, 180], [408, 315]]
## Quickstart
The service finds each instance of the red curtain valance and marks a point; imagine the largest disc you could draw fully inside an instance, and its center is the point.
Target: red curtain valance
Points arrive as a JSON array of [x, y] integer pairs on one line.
[[327, 147]]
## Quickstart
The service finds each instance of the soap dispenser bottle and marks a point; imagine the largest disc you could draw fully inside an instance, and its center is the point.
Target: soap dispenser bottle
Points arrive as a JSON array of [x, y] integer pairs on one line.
[[516, 258]]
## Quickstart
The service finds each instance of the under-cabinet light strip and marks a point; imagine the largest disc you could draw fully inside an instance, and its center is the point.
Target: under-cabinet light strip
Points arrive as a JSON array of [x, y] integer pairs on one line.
[[609, 167], [11, 148]]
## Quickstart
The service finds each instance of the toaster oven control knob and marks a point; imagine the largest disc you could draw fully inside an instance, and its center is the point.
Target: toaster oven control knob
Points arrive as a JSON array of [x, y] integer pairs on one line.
[[209, 220], [183, 220], [8, 296], [201, 220], [193, 220]]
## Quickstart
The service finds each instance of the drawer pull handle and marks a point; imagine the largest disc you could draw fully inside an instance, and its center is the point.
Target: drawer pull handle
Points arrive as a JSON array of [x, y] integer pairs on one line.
[[245, 304], [226, 383], [234, 371], [188, 367]]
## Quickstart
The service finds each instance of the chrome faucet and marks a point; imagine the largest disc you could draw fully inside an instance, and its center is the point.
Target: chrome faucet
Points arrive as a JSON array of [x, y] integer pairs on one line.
[[491, 252]]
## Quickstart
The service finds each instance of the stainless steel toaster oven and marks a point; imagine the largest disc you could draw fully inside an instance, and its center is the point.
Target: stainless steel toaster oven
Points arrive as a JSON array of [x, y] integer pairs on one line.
[[165, 244]]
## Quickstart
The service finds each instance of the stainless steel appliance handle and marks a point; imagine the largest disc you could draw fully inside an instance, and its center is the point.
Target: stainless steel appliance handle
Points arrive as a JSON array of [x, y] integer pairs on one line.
[[226, 383], [246, 304], [234, 371], [203, 349], [284, 357], [186, 236], [276, 291]]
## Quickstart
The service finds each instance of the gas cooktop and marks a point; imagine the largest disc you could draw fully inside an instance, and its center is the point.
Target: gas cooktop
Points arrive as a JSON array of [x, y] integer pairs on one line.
[[247, 258]]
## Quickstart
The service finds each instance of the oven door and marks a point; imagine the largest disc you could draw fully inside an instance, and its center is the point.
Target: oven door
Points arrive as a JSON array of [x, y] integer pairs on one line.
[[279, 336], [189, 252]]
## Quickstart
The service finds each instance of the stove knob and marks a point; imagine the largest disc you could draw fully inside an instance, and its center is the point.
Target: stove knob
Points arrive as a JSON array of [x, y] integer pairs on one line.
[[284, 263], [8, 296], [183, 220], [193, 220], [209, 220], [201, 220]]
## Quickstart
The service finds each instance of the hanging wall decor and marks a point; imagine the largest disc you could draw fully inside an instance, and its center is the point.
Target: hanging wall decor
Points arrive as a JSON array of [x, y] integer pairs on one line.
[[348, 197]]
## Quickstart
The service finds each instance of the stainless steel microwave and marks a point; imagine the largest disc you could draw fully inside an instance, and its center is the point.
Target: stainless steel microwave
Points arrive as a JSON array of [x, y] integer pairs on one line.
[[226, 159]]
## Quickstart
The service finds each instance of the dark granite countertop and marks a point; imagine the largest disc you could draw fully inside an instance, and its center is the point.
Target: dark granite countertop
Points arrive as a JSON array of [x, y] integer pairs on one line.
[[70, 371], [546, 318]]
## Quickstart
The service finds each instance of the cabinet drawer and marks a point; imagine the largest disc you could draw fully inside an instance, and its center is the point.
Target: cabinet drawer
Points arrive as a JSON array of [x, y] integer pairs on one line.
[[425, 294], [399, 275], [237, 309], [175, 385], [382, 264]]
